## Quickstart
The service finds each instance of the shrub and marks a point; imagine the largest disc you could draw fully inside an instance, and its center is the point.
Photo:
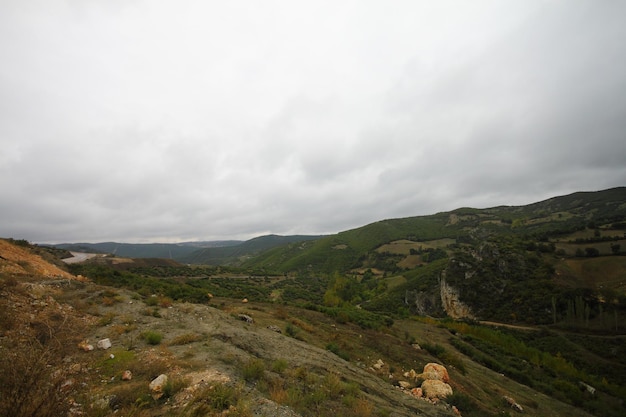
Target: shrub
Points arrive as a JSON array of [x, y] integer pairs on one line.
[[435, 350], [185, 339], [152, 301], [334, 348], [32, 380], [463, 402], [291, 331], [253, 370], [279, 366], [151, 337]]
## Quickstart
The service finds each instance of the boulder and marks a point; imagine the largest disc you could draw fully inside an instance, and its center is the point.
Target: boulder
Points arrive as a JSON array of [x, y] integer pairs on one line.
[[435, 371], [434, 388], [157, 386]]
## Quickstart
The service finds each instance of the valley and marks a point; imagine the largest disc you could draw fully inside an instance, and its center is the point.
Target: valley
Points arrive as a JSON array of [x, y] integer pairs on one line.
[[525, 303]]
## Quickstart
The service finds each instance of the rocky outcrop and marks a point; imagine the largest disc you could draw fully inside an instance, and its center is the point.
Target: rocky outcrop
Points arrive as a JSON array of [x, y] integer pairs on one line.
[[435, 385], [450, 299]]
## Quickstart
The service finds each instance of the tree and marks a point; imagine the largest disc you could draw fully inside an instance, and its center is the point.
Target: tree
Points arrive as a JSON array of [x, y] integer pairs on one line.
[[615, 248]]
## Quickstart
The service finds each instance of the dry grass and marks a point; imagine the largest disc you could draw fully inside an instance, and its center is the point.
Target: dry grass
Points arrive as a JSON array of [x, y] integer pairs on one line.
[[302, 324], [185, 339]]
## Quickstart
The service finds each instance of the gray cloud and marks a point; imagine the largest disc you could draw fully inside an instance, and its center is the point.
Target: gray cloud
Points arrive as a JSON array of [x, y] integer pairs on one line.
[[143, 121]]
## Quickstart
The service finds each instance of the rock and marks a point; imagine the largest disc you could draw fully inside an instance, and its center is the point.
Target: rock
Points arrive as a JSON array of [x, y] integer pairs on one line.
[[435, 371], [104, 344], [246, 318], [76, 368], [274, 328], [404, 384], [411, 374], [450, 299], [127, 375], [514, 405], [591, 390], [379, 364], [434, 388], [157, 386], [417, 392], [84, 345], [245, 300]]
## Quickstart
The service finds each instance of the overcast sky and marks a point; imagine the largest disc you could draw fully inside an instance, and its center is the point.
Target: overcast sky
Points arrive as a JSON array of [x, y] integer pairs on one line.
[[148, 120]]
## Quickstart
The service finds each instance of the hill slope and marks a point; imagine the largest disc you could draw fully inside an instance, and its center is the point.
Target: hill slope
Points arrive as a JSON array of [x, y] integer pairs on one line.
[[218, 364]]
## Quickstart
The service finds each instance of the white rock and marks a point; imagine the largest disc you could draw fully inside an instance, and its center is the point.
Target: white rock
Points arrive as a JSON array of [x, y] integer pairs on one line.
[[104, 344], [157, 385]]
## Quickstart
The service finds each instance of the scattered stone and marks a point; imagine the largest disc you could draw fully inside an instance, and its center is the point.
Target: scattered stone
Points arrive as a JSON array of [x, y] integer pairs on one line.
[[111, 356], [456, 411], [274, 328], [67, 384], [76, 368], [127, 375], [104, 343], [404, 384], [417, 392], [246, 318], [436, 389], [591, 390], [379, 364], [84, 345], [416, 346], [411, 374], [245, 300], [157, 386], [514, 405]]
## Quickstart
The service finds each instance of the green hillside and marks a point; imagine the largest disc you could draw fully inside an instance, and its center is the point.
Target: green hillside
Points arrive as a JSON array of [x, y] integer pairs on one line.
[[556, 261], [235, 254]]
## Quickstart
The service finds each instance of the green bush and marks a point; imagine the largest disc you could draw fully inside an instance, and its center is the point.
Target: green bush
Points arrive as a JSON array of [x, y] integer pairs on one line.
[[435, 350], [279, 366], [151, 337], [334, 348], [253, 370]]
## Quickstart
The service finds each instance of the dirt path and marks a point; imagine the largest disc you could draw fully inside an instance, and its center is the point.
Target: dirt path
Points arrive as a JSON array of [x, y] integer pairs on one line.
[[78, 257], [509, 326]]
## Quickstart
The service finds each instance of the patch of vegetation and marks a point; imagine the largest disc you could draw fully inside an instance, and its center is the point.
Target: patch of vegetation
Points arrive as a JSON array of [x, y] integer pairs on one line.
[[253, 370], [152, 337], [334, 348], [185, 339]]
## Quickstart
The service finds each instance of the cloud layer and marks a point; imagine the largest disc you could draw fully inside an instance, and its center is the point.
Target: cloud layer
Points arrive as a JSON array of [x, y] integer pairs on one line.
[[166, 121]]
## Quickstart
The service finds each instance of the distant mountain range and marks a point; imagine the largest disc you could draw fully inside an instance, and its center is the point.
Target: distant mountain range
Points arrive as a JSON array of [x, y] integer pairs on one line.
[[361, 247], [219, 252]]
